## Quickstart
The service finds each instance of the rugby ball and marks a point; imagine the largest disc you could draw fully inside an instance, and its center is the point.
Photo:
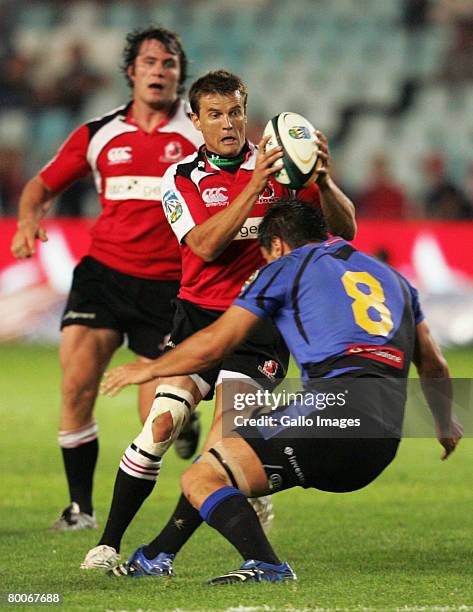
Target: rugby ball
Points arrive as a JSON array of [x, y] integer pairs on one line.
[[296, 135]]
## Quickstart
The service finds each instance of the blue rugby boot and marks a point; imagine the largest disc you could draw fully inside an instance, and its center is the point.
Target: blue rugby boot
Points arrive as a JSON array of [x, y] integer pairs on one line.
[[256, 571], [138, 566]]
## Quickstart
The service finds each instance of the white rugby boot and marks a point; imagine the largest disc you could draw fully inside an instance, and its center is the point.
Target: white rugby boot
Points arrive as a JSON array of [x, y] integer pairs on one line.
[[72, 519], [100, 557]]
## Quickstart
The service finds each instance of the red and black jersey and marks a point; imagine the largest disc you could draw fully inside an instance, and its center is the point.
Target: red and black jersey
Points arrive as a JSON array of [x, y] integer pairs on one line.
[[194, 190], [131, 234]]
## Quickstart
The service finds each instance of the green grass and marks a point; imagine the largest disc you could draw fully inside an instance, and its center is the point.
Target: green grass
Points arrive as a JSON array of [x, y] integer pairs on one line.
[[403, 543]]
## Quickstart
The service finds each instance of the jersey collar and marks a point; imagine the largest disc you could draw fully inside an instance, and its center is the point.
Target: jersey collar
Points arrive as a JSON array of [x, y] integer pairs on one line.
[[326, 244], [176, 118], [248, 163]]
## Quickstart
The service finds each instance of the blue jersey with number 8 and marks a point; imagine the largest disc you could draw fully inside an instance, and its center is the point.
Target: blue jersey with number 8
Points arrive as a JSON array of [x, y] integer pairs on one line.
[[338, 309]]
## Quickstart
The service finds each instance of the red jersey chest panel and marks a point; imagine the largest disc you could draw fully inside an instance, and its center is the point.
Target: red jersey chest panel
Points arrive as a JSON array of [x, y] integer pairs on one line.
[[131, 234], [193, 191]]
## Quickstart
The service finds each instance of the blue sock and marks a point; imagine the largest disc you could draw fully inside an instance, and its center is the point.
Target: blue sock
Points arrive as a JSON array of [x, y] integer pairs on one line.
[[215, 499]]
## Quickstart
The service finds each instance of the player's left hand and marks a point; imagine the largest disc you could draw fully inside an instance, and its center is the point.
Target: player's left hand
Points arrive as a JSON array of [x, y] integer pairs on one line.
[[449, 439], [122, 376], [324, 154]]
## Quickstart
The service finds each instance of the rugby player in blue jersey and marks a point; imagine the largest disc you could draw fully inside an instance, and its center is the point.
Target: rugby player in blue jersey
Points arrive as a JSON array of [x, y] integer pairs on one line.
[[345, 317]]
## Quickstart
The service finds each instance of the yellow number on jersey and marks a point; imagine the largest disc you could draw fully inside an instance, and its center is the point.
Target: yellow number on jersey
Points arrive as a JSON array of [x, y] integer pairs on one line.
[[364, 301]]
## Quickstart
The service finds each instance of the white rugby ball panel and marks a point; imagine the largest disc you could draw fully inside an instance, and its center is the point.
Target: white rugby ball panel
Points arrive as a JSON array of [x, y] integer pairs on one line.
[[299, 140], [296, 135], [271, 131]]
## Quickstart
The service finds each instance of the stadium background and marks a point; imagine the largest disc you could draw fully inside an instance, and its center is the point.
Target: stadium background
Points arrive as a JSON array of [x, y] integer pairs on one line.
[[391, 84]]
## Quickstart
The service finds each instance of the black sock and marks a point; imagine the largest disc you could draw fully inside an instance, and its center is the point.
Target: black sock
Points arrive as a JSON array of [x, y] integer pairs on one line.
[[184, 521], [129, 495], [236, 520], [79, 463]]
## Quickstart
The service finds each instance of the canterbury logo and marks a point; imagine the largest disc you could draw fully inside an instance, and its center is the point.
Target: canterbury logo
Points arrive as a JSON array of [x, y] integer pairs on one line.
[[119, 155], [217, 196]]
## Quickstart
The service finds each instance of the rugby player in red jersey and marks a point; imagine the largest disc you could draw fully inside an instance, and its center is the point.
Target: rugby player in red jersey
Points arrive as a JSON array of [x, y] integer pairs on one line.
[[214, 200], [124, 286]]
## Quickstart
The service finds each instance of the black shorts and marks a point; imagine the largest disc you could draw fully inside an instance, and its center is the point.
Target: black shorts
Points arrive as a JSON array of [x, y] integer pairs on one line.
[[140, 309], [263, 356], [333, 464]]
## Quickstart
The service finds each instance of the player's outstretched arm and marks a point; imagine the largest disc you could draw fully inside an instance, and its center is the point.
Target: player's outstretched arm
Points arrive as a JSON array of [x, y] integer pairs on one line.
[[35, 201], [436, 384], [338, 209], [212, 237], [200, 352]]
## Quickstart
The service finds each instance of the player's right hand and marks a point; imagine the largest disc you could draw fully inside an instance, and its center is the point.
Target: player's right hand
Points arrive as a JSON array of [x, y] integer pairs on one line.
[[267, 163], [449, 439], [23, 243]]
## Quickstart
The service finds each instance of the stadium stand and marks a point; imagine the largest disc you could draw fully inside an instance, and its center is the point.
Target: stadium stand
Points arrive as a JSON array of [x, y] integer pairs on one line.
[[366, 73]]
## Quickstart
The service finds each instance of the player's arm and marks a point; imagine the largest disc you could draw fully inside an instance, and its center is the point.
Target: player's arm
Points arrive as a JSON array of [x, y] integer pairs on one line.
[[67, 166], [209, 239], [338, 209], [199, 352], [35, 201], [436, 385]]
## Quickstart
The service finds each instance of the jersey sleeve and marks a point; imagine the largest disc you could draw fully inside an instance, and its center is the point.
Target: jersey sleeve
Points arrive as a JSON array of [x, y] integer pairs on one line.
[[265, 292], [415, 302], [182, 203], [70, 162], [418, 314]]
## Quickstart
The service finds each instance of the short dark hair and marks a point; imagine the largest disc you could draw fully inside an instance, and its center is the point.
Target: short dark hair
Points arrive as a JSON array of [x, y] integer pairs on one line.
[[169, 39], [294, 221], [216, 82]]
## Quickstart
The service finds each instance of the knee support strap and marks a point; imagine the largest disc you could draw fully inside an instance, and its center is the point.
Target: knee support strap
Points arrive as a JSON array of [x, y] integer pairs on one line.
[[225, 465], [169, 398]]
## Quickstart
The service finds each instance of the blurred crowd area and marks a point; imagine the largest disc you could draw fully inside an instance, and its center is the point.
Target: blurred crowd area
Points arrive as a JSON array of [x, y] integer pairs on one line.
[[390, 82]]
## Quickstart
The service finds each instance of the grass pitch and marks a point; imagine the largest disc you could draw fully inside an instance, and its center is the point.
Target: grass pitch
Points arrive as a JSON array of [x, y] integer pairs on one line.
[[404, 543]]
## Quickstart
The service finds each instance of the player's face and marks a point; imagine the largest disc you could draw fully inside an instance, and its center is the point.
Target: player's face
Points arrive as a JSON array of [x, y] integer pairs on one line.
[[222, 121], [155, 75]]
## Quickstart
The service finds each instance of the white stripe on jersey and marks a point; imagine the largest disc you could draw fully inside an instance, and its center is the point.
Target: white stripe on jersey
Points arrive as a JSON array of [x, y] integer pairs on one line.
[[175, 207], [133, 188], [197, 175], [110, 130], [181, 124], [250, 163]]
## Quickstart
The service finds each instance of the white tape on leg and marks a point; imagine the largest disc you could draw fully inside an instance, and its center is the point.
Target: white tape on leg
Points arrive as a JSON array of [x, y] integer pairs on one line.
[[179, 403]]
